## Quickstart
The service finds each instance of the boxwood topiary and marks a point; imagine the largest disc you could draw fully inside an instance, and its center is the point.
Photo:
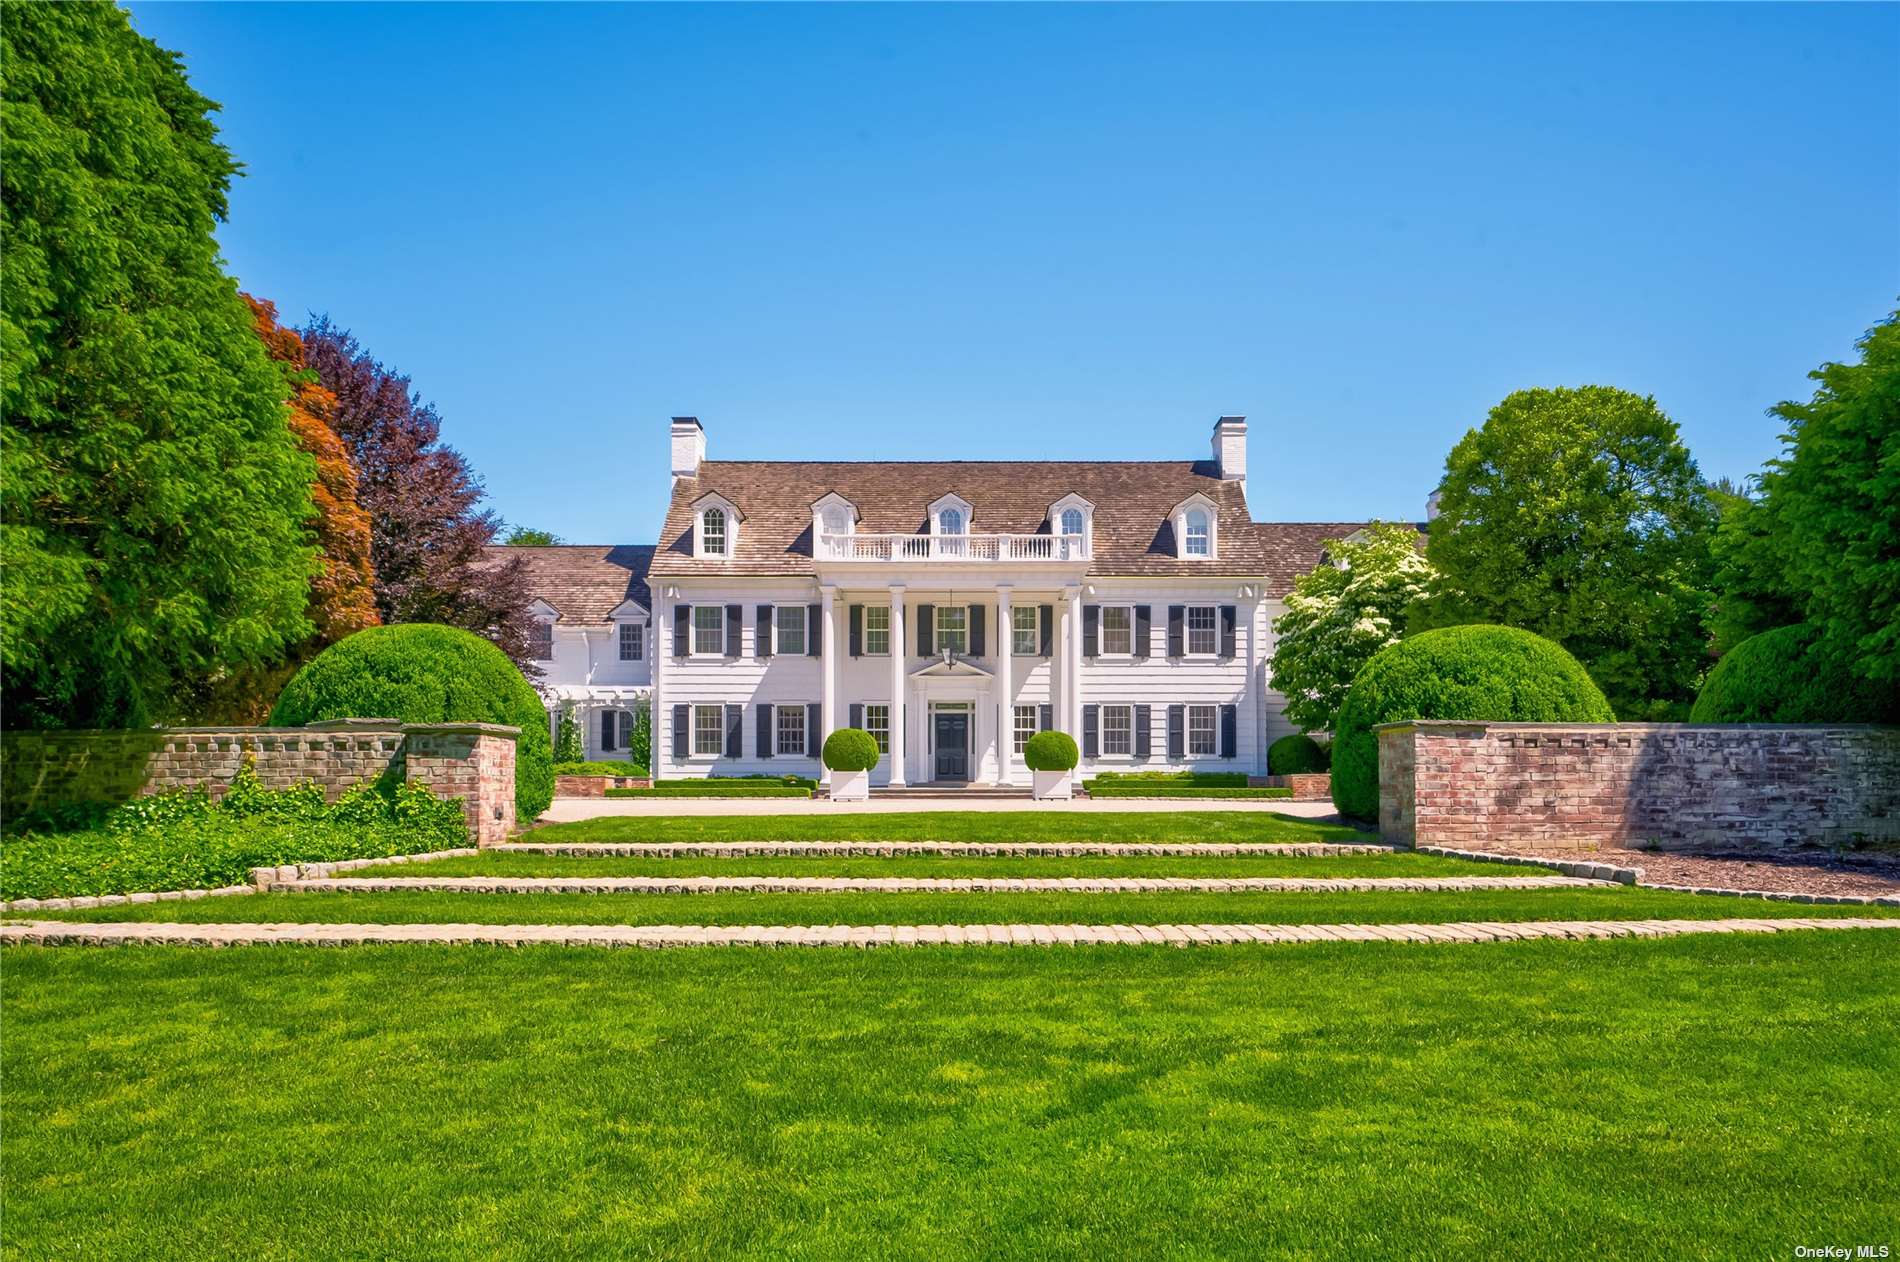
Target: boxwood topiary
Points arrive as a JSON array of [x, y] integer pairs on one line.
[[1051, 751], [1296, 754], [1471, 672], [1790, 675], [850, 749], [421, 673]]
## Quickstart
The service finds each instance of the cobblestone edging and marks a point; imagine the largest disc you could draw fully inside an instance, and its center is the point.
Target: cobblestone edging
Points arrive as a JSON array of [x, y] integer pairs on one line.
[[265, 878], [1787, 896], [83, 902], [1634, 876], [62, 933], [919, 884], [1569, 867], [974, 849]]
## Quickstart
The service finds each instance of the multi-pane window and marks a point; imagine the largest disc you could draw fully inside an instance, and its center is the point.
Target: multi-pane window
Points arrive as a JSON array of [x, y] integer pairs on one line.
[[789, 720], [709, 629], [1118, 730], [1203, 736], [617, 731], [950, 521], [541, 640], [877, 629], [788, 622], [837, 521], [1025, 640], [953, 628], [1118, 630], [1203, 634], [632, 640], [1197, 533], [877, 721], [1071, 521], [712, 532], [709, 731], [1024, 726]]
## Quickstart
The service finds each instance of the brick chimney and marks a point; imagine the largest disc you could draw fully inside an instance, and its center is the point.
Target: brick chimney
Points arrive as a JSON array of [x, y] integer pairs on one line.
[[689, 446], [1230, 449]]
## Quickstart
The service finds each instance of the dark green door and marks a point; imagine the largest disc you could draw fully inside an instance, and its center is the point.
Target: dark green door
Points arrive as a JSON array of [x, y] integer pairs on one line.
[[953, 746]]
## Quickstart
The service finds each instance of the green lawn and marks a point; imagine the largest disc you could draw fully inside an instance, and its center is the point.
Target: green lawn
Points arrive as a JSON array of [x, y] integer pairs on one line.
[[1119, 827], [1710, 1097]]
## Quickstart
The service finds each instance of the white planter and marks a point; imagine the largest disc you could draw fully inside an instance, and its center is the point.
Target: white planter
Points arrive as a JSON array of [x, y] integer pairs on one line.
[[850, 786], [1053, 785]]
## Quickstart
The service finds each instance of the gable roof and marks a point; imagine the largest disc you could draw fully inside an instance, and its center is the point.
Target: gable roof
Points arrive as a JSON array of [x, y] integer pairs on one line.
[[584, 582], [1131, 501]]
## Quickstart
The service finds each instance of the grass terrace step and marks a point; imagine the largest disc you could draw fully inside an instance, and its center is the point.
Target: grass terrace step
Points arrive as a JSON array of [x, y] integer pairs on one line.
[[639, 861], [1121, 827], [717, 885]]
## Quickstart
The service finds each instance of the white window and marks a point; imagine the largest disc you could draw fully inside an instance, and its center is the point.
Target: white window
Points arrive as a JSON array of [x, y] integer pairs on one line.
[[1118, 731], [1203, 735], [950, 521], [541, 640], [712, 532], [632, 641], [877, 721], [953, 627], [1197, 532], [1025, 631], [788, 624], [1202, 633], [709, 731], [837, 521], [1071, 521], [1118, 630], [709, 630], [1024, 726], [790, 722], [877, 630]]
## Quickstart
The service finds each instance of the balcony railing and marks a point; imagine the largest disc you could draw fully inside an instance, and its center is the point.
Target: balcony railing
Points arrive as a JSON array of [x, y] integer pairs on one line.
[[952, 548]]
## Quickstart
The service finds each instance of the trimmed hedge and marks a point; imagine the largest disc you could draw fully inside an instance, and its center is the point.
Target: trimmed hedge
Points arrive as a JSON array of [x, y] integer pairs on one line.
[[1790, 675], [422, 673], [1204, 779], [1297, 755], [713, 789], [1162, 789], [1481, 671], [850, 749], [1051, 751], [601, 768]]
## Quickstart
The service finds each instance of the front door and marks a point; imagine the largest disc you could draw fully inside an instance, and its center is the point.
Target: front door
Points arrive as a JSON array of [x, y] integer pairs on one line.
[[953, 746]]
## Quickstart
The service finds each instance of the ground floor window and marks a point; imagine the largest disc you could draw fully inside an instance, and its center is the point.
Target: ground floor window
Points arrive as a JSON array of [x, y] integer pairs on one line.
[[616, 730], [877, 721], [790, 723], [709, 731], [1024, 726], [1203, 731], [1118, 730]]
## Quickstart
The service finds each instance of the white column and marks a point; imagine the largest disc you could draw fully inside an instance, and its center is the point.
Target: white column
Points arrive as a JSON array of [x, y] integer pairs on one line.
[[898, 650], [1072, 650], [1005, 713], [828, 663]]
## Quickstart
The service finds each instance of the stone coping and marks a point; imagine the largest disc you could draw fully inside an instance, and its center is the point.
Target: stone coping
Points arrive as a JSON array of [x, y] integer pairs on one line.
[[1502, 725], [1569, 867], [82, 902], [65, 933], [921, 884], [970, 849]]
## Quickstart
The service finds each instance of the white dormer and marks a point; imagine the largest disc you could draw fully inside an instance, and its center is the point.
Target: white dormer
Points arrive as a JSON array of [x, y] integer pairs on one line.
[[950, 515], [833, 514], [1196, 523], [541, 619], [1072, 522], [715, 527]]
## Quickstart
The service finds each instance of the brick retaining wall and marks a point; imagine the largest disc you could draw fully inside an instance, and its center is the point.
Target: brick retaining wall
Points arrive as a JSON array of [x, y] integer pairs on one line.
[[471, 761], [1580, 786]]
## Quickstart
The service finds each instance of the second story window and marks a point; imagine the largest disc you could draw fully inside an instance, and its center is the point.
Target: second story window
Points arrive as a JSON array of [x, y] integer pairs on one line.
[[541, 640], [877, 630], [789, 624], [1197, 533], [632, 641], [1071, 521], [1118, 630], [1025, 631], [1203, 633], [953, 629], [950, 521], [712, 532], [709, 630]]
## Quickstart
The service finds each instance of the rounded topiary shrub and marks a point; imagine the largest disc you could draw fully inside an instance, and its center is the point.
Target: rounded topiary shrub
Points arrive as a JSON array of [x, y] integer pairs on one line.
[[850, 749], [1789, 675], [420, 673], [1051, 751], [1296, 755], [1472, 672]]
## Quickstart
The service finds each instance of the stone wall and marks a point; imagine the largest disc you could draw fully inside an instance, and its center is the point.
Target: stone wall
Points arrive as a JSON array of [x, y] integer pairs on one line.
[[471, 761], [1581, 786], [1310, 786]]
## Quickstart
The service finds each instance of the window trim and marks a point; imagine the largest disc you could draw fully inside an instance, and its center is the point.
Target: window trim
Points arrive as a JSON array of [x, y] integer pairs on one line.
[[719, 731], [879, 733], [1127, 709], [781, 729], [534, 641], [705, 531], [937, 628], [1035, 630], [639, 627], [865, 645], [1101, 631], [779, 623], [719, 622], [1018, 738], [1213, 731], [1187, 631]]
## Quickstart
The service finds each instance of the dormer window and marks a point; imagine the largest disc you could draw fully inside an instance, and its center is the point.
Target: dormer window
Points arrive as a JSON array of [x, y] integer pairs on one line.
[[1072, 521], [950, 522], [1196, 529], [715, 527], [837, 521], [1198, 535], [712, 532]]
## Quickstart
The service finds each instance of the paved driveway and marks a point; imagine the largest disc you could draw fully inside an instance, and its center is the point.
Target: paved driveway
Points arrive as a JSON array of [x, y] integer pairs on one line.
[[567, 809]]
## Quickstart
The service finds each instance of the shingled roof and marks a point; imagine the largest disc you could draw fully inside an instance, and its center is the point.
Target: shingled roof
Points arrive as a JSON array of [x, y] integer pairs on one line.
[[584, 582], [1291, 548], [1132, 500]]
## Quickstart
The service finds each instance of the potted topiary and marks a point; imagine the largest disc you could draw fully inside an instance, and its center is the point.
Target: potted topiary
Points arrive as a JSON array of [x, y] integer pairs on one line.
[[1052, 757], [850, 753]]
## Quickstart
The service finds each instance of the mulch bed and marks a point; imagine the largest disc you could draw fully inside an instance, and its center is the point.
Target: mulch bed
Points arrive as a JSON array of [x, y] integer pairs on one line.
[[1798, 872]]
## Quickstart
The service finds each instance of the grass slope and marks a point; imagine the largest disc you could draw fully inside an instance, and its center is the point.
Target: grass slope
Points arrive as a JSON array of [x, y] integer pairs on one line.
[[1126, 827]]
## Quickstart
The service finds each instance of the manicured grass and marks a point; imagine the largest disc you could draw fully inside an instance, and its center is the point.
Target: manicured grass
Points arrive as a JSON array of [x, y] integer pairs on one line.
[[1382, 907], [1376, 864], [713, 789], [1128, 827], [1137, 789], [1711, 1097]]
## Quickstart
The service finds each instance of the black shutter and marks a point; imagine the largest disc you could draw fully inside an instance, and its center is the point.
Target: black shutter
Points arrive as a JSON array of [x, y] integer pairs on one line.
[[1091, 728], [765, 733], [1229, 731], [857, 715], [1227, 620], [1091, 630], [606, 729], [1177, 631], [1045, 717], [857, 631], [1046, 614], [735, 731], [1143, 737], [764, 631], [976, 631], [814, 730], [682, 715], [1144, 629], [735, 630], [814, 630], [1177, 732], [682, 630], [926, 630]]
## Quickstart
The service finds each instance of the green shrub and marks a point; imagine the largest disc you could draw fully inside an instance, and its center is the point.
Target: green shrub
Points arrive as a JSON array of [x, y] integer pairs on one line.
[[1163, 789], [1790, 675], [1481, 671], [1202, 779], [605, 767], [420, 673], [715, 789], [1051, 751], [1297, 755], [851, 749]]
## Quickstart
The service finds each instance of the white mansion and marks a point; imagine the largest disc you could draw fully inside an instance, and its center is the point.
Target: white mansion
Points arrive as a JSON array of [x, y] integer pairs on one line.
[[952, 609]]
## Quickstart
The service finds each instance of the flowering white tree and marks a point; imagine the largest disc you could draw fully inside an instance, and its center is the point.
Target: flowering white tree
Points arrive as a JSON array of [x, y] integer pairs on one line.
[[1346, 609]]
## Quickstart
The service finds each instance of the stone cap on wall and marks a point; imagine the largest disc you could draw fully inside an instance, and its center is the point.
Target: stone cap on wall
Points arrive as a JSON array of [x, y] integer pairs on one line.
[[1445, 725], [462, 729], [345, 725]]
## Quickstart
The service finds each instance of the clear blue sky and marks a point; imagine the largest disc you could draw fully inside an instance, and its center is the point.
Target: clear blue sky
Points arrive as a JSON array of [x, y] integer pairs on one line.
[[1076, 231]]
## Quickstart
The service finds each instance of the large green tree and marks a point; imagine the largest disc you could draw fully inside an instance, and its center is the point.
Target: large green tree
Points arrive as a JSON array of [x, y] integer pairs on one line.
[[1578, 514], [155, 499]]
